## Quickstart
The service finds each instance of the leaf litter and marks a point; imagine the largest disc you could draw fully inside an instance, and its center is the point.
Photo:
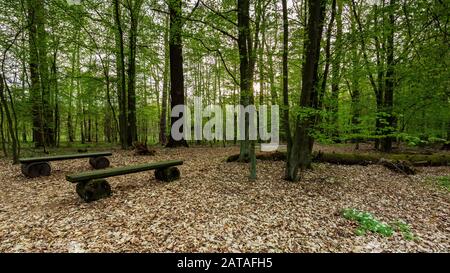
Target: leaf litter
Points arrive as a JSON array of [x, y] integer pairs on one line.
[[215, 208]]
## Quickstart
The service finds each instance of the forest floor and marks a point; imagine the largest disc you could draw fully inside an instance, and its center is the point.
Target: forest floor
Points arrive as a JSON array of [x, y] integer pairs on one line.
[[215, 208]]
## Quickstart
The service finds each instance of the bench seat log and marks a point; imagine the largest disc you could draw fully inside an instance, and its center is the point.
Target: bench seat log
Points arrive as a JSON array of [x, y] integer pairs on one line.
[[62, 157], [38, 166], [98, 174]]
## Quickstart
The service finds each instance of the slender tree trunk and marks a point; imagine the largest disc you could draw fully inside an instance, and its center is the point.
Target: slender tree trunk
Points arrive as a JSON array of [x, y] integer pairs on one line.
[[121, 79], [336, 73], [286, 118], [2, 135], [134, 26], [163, 117], [244, 68], [389, 82], [9, 120], [326, 70]]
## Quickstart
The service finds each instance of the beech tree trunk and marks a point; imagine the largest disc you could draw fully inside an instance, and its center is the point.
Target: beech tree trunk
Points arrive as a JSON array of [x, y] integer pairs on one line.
[[300, 154], [163, 117], [121, 80], [176, 65]]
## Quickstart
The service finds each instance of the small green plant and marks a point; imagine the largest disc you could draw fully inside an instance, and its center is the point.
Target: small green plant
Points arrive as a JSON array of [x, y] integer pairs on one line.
[[444, 181], [367, 222], [405, 229]]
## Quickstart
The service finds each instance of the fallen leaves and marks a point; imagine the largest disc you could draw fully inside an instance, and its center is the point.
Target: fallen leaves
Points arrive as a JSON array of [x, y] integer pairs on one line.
[[214, 208]]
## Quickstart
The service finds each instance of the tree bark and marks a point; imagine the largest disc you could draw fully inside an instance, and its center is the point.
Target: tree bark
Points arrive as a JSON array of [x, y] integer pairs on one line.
[[134, 26], [386, 143], [163, 117], [336, 72], [286, 77], [176, 65], [121, 80], [300, 154]]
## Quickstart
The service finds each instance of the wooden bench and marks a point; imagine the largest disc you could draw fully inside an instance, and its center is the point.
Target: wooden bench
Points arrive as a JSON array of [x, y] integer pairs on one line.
[[38, 166], [92, 186]]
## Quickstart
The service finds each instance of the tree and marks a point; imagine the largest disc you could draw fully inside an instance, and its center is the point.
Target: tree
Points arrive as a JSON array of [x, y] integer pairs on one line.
[[300, 154], [388, 103], [163, 117], [286, 77], [134, 10], [121, 80], [176, 64], [39, 75]]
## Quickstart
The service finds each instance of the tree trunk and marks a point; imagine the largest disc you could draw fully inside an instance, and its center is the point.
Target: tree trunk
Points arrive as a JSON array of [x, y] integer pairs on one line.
[[9, 120], [386, 142], [134, 24], [163, 117], [300, 154], [285, 77], [244, 69], [121, 80], [176, 65], [336, 73], [326, 70], [35, 86]]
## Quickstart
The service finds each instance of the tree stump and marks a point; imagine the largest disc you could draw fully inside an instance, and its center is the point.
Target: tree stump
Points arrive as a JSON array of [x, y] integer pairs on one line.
[[167, 174], [100, 162], [93, 190], [36, 169]]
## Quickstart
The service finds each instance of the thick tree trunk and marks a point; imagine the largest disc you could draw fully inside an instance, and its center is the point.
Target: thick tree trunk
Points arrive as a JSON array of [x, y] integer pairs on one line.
[[176, 65], [300, 154], [35, 85], [41, 44]]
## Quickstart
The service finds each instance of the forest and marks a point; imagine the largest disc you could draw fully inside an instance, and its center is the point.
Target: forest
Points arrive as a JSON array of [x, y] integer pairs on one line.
[[363, 127]]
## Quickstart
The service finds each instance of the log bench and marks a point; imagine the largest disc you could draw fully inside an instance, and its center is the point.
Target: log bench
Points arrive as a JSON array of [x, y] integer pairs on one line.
[[38, 166], [92, 185]]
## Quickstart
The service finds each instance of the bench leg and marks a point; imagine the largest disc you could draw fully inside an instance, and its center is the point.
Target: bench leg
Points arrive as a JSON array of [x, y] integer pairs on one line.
[[167, 174], [36, 169], [100, 162], [93, 190]]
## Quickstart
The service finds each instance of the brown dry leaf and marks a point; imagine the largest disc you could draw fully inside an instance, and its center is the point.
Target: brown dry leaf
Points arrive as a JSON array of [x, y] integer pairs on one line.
[[215, 208]]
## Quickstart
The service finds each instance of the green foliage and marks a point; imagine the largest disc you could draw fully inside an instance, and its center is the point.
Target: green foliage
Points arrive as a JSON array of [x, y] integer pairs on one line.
[[444, 181], [405, 229], [367, 222]]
